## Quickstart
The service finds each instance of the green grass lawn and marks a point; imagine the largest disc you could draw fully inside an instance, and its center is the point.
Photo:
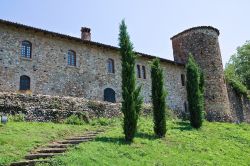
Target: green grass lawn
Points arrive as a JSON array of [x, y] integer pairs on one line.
[[18, 138], [214, 144]]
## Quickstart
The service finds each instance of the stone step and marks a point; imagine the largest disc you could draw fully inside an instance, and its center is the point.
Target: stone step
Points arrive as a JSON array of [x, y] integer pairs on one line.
[[29, 162], [92, 133], [57, 145], [80, 138], [73, 141], [40, 155], [51, 150]]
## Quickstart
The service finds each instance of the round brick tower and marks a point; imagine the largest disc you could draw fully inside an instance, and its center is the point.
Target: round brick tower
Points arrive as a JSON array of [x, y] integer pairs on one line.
[[202, 42]]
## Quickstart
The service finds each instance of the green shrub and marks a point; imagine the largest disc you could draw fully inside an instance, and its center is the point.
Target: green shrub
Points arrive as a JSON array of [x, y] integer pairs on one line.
[[16, 118], [102, 121], [170, 115], [74, 120]]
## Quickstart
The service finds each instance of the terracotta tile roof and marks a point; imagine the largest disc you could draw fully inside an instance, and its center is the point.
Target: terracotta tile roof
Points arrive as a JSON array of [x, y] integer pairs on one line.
[[18, 25]]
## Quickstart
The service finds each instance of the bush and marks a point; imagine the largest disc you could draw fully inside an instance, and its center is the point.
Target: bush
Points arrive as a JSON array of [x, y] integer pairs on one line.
[[74, 120], [102, 122], [170, 115], [16, 118]]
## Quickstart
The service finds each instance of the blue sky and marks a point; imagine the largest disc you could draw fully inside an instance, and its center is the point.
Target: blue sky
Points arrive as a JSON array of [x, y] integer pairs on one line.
[[150, 23]]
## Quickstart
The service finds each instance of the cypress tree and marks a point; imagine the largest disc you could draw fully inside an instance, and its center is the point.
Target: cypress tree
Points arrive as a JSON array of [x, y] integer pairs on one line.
[[195, 90], [131, 104], [158, 99]]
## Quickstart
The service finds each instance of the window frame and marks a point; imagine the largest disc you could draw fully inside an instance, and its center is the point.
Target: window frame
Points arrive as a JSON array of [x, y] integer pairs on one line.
[[26, 49], [138, 69], [111, 65], [183, 80], [25, 82], [144, 74], [109, 95], [71, 60]]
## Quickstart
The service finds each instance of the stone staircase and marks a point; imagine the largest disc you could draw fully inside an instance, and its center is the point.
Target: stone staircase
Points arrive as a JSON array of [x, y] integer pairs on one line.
[[44, 153]]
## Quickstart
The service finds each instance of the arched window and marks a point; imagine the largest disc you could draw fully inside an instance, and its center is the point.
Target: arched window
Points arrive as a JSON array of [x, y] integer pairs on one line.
[[24, 82], [26, 49], [109, 95], [71, 58], [111, 66]]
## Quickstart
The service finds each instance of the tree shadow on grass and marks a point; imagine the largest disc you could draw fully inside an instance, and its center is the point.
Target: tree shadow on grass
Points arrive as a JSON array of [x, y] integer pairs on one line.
[[183, 126], [121, 140], [114, 140], [145, 136]]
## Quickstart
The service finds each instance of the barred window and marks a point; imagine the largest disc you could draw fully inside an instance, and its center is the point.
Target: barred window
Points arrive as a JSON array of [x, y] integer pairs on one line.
[[144, 72], [71, 58], [111, 66], [24, 82], [26, 49], [138, 71]]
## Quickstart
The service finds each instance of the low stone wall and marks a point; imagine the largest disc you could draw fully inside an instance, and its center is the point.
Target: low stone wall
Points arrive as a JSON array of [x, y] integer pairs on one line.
[[53, 108], [239, 105]]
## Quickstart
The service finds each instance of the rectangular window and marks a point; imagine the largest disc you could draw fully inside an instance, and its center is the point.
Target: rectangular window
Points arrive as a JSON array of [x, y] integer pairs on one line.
[[183, 79], [138, 71], [144, 72], [111, 66]]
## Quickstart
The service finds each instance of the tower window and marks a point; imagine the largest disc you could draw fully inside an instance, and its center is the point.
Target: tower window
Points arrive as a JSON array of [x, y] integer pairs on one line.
[[138, 71], [71, 58], [144, 72], [24, 82], [111, 66], [26, 49], [185, 107], [183, 79]]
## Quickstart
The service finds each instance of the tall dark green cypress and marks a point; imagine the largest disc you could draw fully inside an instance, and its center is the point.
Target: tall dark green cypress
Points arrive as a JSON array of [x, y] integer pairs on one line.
[[131, 104], [158, 99], [195, 90]]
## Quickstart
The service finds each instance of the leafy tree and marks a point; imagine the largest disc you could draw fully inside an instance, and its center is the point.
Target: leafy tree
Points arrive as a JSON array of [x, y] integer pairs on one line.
[[131, 104], [241, 64], [158, 99], [195, 91]]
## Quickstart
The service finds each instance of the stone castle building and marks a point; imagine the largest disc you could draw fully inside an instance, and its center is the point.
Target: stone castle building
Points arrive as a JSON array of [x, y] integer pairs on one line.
[[38, 61]]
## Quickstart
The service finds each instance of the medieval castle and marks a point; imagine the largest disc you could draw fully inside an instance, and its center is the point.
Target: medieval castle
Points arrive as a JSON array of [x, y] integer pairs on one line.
[[42, 62]]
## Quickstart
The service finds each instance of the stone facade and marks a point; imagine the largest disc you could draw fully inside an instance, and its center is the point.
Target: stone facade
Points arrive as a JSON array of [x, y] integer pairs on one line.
[[202, 43], [239, 105], [50, 73]]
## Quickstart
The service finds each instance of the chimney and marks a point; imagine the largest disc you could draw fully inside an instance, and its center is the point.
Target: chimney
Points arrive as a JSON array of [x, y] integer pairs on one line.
[[86, 35]]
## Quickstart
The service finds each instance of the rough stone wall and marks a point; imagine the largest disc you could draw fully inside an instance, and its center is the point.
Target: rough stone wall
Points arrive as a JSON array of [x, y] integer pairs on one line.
[[55, 108], [239, 105], [50, 74], [203, 43]]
